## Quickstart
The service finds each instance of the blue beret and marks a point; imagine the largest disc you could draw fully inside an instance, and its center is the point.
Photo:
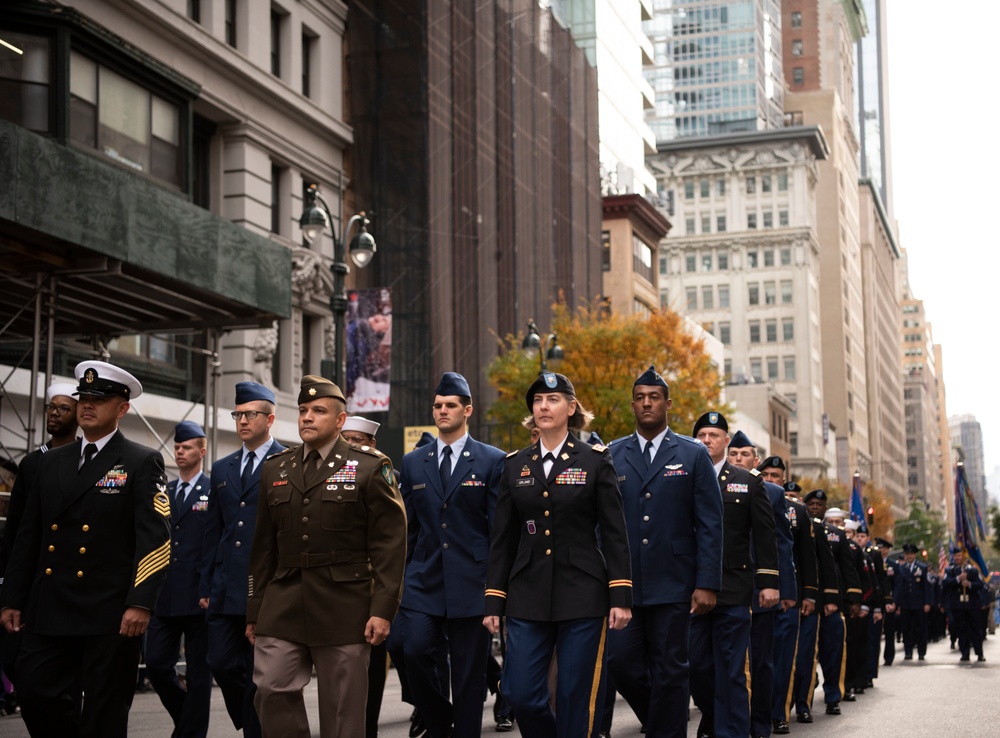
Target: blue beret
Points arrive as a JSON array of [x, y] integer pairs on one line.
[[453, 383], [711, 420], [186, 430], [650, 378], [740, 440], [549, 382], [425, 438], [251, 392]]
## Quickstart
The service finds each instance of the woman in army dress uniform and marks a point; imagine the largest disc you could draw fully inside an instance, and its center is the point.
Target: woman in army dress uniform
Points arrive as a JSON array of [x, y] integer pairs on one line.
[[558, 584]]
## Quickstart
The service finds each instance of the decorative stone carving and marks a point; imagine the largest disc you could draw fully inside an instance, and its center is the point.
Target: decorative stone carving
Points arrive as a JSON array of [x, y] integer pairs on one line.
[[264, 347], [330, 340], [307, 274]]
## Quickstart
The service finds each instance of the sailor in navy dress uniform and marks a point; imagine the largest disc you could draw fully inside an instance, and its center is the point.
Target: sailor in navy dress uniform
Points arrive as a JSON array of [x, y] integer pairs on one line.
[[891, 618], [90, 557], [720, 639], [450, 490], [913, 596], [235, 492], [558, 584], [177, 612], [673, 512]]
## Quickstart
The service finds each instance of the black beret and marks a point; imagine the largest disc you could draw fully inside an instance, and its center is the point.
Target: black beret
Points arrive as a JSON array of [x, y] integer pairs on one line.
[[711, 420], [650, 378], [312, 388], [740, 440], [816, 494], [773, 462], [453, 383], [792, 486], [549, 382]]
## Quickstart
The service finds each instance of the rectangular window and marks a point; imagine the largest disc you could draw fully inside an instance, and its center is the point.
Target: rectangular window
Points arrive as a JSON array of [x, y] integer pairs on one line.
[[706, 262], [797, 47], [751, 185], [706, 188], [663, 265], [194, 10], [642, 259], [772, 367], [754, 331], [751, 259], [751, 221], [720, 224], [692, 298], [723, 261], [690, 263], [307, 53], [723, 295], [689, 190], [793, 443], [770, 294], [231, 22], [707, 301], [771, 329], [276, 19], [765, 183], [689, 226], [757, 370], [275, 199], [796, 19], [798, 75], [769, 223], [769, 257], [728, 368], [24, 81], [605, 251], [782, 181], [706, 224], [783, 222], [789, 368], [725, 333], [720, 187], [753, 294], [788, 329]]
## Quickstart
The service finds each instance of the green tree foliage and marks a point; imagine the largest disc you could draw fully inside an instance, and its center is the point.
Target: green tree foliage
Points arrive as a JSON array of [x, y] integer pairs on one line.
[[923, 528], [604, 355]]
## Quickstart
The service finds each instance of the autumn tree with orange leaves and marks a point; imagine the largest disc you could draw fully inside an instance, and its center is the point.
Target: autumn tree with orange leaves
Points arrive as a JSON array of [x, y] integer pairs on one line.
[[603, 356]]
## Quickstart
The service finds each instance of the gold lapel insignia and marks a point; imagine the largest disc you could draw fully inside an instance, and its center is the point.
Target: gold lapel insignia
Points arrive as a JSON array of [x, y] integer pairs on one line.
[[565, 455]]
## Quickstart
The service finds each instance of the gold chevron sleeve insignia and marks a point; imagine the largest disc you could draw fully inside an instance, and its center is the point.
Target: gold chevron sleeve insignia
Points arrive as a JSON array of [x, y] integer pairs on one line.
[[152, 563], [161, 503]]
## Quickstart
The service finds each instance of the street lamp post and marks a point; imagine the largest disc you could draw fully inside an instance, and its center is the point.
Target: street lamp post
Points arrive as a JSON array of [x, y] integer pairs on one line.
[[315, 219], [547, 350]]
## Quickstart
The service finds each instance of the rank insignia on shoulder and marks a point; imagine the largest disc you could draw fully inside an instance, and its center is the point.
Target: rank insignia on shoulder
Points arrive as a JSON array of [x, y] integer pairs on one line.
[[512, 453], [755, 472], [599, 447]]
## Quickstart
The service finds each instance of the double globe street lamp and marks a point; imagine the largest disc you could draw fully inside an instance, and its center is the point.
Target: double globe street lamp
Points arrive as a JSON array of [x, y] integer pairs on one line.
[[547, 350], [315, 219]]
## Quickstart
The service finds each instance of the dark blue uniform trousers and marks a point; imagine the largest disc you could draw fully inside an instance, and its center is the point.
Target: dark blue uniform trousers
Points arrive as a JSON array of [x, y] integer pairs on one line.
[[648, 663], [761, 671], [720, 641], [832, 653], [580, 648], [804, 676], [874, 646], [889, 624], [786, 636], [188, 707], [468, 648], [230, 657], [913, 623]]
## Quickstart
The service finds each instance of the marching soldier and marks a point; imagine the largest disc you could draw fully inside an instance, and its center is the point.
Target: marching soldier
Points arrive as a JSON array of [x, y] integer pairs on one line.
[[913, 596], [963, 588], [891, 618], [885, 593]]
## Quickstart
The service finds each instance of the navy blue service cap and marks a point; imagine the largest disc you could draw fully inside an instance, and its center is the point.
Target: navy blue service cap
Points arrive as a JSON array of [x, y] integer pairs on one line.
[[425, 438], [740, 440], [816, 494], [772, 462], [650, 378], [882, 543], [909, 548], [549, 382], [313, 387], [252, 392], [711, 420], [791, 486], [453, 383], [186, 430], [101, 379]]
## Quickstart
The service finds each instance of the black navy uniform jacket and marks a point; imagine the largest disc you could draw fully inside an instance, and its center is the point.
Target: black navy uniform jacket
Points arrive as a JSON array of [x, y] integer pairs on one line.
[[92, 543], [189, 524], [545, 559], [804, 547], [953, 589], [829, 576], [884, 584], [748, 521], [26, 471], [847, 565]]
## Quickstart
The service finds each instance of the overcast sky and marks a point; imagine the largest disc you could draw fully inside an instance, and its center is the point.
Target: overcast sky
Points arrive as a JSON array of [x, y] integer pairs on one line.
[[946, 165]]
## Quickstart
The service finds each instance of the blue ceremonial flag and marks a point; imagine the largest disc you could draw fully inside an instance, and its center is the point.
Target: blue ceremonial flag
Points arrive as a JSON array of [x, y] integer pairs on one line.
[[857, 504], [968, 523]]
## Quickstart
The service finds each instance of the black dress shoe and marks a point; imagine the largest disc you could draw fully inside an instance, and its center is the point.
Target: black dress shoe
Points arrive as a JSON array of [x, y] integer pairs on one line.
[[833, 709], [859, 691], [980, 658], [870, 684], [780, 727], [505, 725], [417, 727], [920, 658], [804, 717], [849, 697], [908, 658], [964, 658]]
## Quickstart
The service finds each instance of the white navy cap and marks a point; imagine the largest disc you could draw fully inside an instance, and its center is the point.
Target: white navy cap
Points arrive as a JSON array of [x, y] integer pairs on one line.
[[835, 512], [364, 425], [56, 389], [101, 379]]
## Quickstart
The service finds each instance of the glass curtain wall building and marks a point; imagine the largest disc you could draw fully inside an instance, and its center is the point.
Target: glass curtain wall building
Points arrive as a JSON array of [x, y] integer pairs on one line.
[[716, 67], [872, 102]]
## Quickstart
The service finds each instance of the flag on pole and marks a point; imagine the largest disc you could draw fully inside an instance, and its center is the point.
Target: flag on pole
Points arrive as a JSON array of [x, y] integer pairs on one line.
[[857, 504], [968, 523], [942, 559]]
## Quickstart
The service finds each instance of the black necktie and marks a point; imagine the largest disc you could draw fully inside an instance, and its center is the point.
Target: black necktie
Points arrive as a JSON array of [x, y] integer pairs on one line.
[[648, 453], [310, 471], [88, 453], [550, 459], [181, 494], [445, 468], [247, 472]]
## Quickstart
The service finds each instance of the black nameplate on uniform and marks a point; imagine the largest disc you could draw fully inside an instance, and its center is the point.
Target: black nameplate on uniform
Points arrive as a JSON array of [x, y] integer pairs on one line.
[[526, 482]]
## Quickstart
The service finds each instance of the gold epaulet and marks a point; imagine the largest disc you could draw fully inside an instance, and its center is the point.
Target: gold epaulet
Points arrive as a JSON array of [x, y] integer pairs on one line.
[[755, 472], [599, 447], [512, 453]]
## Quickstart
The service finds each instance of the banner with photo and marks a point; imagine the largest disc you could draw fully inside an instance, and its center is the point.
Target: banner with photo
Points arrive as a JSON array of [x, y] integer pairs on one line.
[[369, 348]]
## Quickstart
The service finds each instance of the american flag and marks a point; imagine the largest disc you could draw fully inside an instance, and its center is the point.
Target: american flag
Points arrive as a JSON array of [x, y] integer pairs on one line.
[[942, 560]]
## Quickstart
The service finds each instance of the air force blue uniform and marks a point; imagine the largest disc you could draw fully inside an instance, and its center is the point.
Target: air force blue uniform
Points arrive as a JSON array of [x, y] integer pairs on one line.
[[673, 515], [178, 614], [912, 591], [448, 544]]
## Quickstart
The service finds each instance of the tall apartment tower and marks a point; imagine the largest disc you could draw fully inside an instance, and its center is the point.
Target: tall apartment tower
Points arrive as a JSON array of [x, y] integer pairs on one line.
[[948, 456], [818, 38], [717, 67], [744, 261], [871, 88], [967, 435]]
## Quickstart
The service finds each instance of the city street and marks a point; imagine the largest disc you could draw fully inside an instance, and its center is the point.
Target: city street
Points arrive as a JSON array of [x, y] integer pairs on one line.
[[913, 699]]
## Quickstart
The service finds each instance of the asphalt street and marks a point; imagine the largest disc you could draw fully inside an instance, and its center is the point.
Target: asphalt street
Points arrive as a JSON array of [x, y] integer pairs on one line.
[[914, 699]]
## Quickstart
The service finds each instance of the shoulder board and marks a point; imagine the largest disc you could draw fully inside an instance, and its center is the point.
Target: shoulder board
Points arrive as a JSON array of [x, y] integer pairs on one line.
[[512, 453], [599, 447], [282, 453], [754, 472], [367, 450]]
